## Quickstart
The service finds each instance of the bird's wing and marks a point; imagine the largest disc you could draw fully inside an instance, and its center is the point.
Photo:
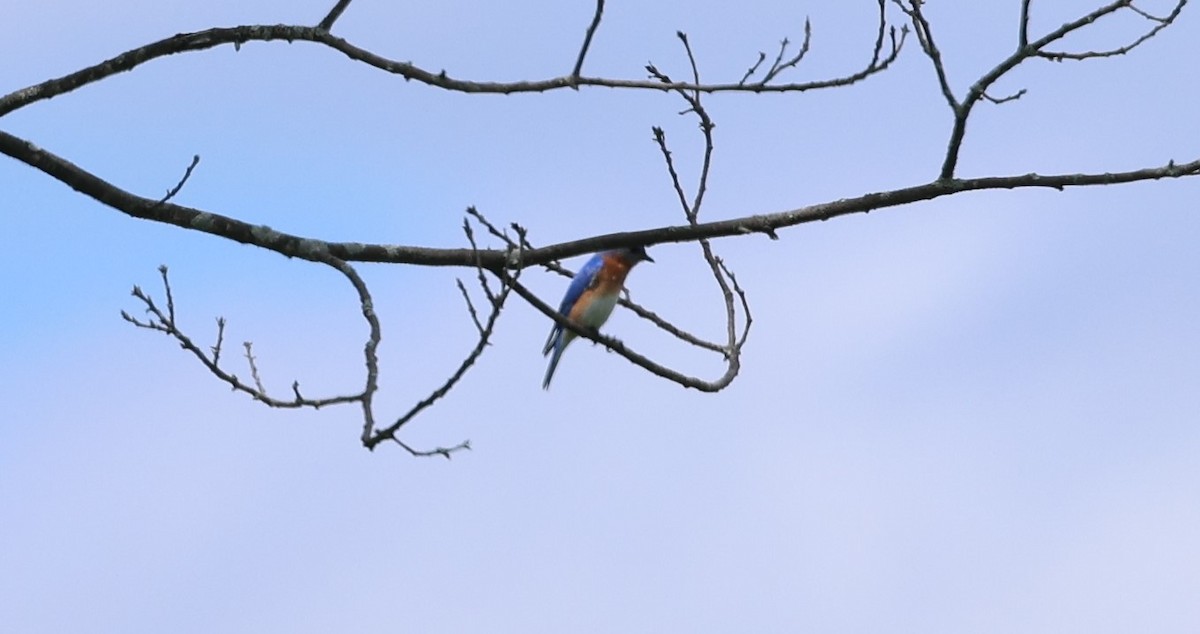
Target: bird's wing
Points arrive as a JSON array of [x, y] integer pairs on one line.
[[587, 277]]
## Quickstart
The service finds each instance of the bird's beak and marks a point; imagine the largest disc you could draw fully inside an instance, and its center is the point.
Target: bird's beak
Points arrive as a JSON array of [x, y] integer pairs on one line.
[[647, 258]]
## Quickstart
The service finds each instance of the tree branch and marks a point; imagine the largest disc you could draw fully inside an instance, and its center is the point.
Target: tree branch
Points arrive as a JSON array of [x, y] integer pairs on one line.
[[1160, 24], [485, 331], [494, 260], [587, 40], [333, 15], [179, 186], [925, 37], [508, 263], [1025, 50], [239, 35], [166, 324]]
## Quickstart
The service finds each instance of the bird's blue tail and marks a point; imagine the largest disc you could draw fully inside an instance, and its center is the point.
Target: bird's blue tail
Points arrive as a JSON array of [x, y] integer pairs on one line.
[[554, 357]]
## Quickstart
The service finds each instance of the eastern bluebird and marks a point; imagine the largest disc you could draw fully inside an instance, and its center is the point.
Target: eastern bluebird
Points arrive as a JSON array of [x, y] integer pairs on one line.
[[590, 298]]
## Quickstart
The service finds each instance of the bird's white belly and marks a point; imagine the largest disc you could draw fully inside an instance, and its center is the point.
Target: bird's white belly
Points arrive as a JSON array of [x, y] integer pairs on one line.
[[598, 310]]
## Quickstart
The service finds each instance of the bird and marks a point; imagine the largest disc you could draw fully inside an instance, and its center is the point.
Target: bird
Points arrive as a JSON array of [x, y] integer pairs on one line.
[[590, 298]]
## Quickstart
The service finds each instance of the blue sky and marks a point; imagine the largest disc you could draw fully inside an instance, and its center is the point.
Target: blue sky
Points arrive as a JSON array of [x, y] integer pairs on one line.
[[976, 414]]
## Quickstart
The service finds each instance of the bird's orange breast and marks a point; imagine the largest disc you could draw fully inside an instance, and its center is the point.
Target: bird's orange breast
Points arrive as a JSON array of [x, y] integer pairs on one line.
[[611, 277]]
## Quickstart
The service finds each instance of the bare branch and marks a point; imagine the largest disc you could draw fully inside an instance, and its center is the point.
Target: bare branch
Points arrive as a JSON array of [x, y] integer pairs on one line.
[[179, 186], [216, 349], [587, 39], [879, 36], [166, 324], [485, 334], [692, 211], [374, 335], [670, 328], [732, 349], [780, 65], [237, 36], [744, 301], [487, 290], [1025, 50], [660, 137], [258, 384], [508, 264], [470, 306], [1023, 30], [494, 260], [1153, 18], [492, 229], [444, 452], [999, 100], [333, 15], [753, 68], [162, 270], [912, 8], [1160, 24]]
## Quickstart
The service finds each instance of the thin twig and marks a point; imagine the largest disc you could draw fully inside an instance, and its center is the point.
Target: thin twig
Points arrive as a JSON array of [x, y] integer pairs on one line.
[[374, 335], [162, 270], [483, 282], [161, 321], [1161, 23], [485, 335], [333, 15], [912, 8], [1023, 30], [1026, 49], [779, 64], [732, 349], [470, 306], [999, 100], [258, 384], [216, 349], [186, 175], [753, 68], [445, 452], [587, 39]]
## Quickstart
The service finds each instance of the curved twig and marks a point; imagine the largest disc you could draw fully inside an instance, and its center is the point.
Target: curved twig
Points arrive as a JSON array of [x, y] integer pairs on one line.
[[333, 15], [239, 35], [587, 39], [1160, 24], [485, 331], [691, 210]]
